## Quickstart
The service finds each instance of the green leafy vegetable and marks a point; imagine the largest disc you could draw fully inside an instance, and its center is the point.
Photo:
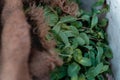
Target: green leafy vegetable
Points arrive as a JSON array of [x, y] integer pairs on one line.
[[81, 42]]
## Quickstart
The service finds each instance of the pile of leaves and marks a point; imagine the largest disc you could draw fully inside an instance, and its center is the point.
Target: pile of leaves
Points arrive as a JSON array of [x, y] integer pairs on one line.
[[81, 42]]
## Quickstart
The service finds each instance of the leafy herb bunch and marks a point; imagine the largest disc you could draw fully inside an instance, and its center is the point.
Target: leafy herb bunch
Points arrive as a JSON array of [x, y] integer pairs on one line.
[[81, 42]]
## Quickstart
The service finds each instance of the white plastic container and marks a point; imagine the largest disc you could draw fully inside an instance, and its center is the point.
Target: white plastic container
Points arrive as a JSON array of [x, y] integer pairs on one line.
[[113, 31]]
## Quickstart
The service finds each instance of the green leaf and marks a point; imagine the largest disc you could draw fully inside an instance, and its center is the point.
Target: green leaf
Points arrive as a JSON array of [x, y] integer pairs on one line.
[[85, 17], [108, 53], [52, 19], [66, 19], [94, 71], [89, 47], [103, 22], [58, 73], [64, 38], [73, 69], [74, 44], [106, 9], [90, 73], [77, 24], [98, 69], [82, 77], [57, 28], [74, 30], [99, 3], [77, 55], [101, 35], [99, 54], [94, 21], [69, 34], [92, 57], [105, 68], [85, 37], [80, 41], [85, 62], [47, 10], [74, 77], [64, 26], [101, 77]]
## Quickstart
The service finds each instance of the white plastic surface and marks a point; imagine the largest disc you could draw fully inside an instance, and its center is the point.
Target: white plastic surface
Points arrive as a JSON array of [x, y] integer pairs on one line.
[[114, 35]]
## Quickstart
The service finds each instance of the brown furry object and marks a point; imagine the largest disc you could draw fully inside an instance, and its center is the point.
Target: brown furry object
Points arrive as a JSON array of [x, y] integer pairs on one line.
[[37, 14], [16, 45], [42, 63], [46, 60], [15, 42], [67, 7], [1, 7], [70, 8], [39, 69]]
